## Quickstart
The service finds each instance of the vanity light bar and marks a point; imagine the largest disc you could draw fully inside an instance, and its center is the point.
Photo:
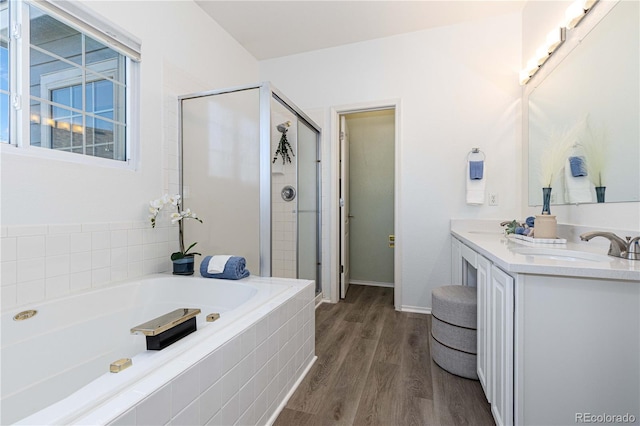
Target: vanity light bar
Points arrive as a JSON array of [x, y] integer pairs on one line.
[[576, 11], [573, 15], [554, 39]]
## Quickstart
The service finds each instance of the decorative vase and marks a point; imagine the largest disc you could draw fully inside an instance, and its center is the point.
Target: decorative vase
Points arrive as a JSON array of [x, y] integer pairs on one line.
[[600, 193], [546, 200], [183, 266]]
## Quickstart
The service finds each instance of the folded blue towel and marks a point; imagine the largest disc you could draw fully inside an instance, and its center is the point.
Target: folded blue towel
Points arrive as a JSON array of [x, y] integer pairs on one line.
[[234, 269], [476, 169], [578, 166]]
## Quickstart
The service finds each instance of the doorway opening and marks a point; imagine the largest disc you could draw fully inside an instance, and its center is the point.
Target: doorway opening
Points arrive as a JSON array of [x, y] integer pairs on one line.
[[367, 199]]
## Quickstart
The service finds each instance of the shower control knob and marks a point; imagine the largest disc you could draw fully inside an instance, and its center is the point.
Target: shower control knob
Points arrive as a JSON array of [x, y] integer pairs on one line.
[[288, 193]]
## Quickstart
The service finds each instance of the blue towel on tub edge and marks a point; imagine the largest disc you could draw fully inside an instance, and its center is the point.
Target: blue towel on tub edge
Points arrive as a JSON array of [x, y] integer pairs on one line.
[[234, 269]]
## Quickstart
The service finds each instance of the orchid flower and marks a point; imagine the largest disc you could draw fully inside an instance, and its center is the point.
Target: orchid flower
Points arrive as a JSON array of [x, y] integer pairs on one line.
[[154, 209]]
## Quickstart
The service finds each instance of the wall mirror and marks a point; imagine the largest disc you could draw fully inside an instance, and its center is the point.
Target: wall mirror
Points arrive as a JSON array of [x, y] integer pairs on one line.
[[600, 80]]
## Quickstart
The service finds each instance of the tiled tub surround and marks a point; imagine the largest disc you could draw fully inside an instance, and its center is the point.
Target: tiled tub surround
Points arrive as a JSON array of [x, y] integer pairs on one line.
[[41, 262], [240, 368]]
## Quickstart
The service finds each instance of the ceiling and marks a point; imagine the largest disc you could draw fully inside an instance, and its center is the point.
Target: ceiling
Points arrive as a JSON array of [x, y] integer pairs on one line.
[[270, 29]]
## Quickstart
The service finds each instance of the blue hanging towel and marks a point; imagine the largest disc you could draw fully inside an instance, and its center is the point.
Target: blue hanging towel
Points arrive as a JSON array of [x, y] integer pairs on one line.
[[476, 170], [578, 166]]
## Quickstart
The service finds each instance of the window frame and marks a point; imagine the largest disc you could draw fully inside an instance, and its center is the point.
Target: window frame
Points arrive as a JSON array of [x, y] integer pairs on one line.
[[19, 117]]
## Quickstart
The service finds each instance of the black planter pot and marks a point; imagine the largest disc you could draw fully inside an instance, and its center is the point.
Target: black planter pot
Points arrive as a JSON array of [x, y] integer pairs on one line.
[[183, 266]]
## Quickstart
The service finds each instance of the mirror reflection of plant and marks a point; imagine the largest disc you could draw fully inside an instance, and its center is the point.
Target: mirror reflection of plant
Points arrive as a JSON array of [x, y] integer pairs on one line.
[[177, 217], [553, 158], [594, 144], [284, 147]]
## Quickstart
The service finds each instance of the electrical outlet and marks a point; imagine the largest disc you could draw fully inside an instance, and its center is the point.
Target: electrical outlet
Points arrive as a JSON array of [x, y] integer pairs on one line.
[[493, 199]]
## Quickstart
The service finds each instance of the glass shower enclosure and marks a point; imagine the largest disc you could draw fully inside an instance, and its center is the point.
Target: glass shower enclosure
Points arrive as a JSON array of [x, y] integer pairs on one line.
[[250, 169]]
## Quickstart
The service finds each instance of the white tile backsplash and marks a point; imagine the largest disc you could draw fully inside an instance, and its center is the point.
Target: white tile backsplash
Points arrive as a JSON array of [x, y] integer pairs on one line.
[[57, 286], [100, 240], [57, 265], [30, 269], [80, 242], [45, 261], [156, 408], [30, 291], [30, 247], [80, 262], [25, 230], [9, 274], [184, 389], [8, 296], [57, 244], [9, 248], [119, 238]]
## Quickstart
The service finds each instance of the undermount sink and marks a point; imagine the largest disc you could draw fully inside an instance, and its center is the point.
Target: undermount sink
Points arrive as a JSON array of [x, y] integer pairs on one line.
[[561, 254]]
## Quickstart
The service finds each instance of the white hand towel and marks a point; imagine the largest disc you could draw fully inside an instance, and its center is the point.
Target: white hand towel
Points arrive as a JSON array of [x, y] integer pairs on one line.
[[576, 189], [475, 187], [217, 263]]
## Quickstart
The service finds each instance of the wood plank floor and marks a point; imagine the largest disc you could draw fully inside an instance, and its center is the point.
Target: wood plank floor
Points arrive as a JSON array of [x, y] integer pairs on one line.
[[374, 368]]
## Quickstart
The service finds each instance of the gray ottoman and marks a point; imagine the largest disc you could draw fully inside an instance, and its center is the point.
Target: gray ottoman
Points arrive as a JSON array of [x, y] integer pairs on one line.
[[453, 329]]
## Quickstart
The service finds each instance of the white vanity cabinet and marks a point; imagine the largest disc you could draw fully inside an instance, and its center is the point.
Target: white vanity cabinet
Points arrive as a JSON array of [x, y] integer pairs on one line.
[[558, 343], [456, 262], [500, 352], [494, 324], [495, 331], [484, 320]]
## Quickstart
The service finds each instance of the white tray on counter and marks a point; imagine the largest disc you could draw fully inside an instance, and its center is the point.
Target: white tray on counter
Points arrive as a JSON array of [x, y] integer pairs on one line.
[[537, 240]]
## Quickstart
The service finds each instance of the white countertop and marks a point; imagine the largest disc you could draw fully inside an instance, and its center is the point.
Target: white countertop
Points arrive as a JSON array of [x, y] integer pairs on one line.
[[503, 251]]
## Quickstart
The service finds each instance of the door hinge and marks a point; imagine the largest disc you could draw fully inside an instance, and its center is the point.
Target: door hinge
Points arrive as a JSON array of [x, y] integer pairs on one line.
[[341, 136], [342, 269], [16, 30]]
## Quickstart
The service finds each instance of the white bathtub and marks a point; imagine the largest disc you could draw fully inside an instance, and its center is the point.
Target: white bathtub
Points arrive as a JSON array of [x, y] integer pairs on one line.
[[242, 367]]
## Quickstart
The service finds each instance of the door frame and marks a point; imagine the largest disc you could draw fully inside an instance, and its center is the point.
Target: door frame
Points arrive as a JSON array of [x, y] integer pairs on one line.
[[336, 112]]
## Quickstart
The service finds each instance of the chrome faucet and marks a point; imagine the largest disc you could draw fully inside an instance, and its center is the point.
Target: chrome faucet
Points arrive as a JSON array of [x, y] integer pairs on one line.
[[629, 249], [633, 252]]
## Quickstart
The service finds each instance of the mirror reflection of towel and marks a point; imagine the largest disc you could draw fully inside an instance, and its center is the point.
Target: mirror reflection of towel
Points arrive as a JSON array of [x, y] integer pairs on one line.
[[578, 166], [578, 188]]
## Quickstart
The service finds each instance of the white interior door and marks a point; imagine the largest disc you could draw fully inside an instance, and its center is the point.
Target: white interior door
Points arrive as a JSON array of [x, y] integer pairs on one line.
[[344, 207]]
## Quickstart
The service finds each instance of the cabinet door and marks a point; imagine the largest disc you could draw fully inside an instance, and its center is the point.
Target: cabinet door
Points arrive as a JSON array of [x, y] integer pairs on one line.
[[501, 347], [484, 320], [456, 262]]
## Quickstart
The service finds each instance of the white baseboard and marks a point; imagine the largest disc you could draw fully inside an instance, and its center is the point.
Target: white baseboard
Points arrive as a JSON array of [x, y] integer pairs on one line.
[[371, 283], [276, 413], [415, 309], [319, 300]]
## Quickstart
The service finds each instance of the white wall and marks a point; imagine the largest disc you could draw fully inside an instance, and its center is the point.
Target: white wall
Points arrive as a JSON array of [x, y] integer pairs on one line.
[[183, 51], [458, 88], [538, 18]]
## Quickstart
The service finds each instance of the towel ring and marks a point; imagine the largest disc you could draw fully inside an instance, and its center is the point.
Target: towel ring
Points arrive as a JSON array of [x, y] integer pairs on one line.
[[475, 151]]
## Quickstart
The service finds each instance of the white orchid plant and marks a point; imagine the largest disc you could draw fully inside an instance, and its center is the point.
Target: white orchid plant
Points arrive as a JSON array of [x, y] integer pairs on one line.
[[177, 217]]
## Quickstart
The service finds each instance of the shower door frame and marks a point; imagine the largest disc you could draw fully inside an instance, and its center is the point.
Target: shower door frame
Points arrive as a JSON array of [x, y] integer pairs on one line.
[[266, 93]]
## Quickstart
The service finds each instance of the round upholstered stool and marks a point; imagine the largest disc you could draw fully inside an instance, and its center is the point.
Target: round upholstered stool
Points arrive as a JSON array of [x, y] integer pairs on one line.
[[453, 329]]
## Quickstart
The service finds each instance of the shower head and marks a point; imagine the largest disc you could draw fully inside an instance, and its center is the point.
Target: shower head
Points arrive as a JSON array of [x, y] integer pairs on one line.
[[283, 127]]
